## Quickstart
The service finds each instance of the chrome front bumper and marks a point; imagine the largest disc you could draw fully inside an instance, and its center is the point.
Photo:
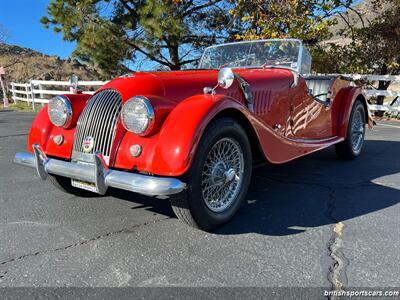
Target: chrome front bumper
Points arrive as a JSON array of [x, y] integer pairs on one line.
[[99, 174]]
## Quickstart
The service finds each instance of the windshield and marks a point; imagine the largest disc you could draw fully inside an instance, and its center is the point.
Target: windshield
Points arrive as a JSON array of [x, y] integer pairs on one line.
[[256, 54]]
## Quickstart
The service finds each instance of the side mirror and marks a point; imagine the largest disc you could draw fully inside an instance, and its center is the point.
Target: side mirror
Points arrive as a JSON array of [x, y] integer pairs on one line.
[[225, 78]]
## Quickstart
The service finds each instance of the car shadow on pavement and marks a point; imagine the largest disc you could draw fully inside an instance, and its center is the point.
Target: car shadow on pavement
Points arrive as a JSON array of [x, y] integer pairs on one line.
[[309, 192], [152, 204], [319, 190]]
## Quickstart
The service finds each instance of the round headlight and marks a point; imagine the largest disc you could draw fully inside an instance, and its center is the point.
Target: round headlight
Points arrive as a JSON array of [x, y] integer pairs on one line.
[[138, 115], [60, 111]]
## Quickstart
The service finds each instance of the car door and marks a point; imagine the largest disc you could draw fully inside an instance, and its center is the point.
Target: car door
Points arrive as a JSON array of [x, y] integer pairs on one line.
[[310, 117]]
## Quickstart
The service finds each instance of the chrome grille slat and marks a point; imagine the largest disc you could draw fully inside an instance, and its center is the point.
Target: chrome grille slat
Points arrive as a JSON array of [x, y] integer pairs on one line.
[[82, 125], [79, 132], [84, 121], [95, 123], [99, 120], [97, 108], [112, 133], [88, 126], [105, 129]]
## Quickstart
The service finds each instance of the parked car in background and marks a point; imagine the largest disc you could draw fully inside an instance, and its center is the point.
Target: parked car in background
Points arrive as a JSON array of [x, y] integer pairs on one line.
[[193, 136]]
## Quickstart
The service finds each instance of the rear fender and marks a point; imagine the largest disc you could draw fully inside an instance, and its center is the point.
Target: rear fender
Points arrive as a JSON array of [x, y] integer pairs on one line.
[[347, 98]]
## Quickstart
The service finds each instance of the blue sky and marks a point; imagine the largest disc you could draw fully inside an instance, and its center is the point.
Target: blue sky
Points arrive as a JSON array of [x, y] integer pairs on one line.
[[21, 19]]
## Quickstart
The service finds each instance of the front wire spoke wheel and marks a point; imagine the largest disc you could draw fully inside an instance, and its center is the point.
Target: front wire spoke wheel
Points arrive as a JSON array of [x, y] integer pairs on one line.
[[222, 175], [218, 178]]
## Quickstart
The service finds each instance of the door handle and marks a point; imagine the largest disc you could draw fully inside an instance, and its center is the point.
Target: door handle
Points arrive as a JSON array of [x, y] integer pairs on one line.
[[277, 126]]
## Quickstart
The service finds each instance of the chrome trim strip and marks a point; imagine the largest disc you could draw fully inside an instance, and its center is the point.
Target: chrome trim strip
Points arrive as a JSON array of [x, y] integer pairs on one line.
[[100, 174], [308, 141]]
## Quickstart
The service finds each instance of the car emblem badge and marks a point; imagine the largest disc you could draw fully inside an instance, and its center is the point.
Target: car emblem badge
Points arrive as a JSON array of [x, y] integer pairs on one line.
[[88, 144]]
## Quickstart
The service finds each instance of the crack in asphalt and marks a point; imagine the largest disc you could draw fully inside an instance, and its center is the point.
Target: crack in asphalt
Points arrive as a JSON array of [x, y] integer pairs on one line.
[[84, 242], [2, 274], [337, 270]]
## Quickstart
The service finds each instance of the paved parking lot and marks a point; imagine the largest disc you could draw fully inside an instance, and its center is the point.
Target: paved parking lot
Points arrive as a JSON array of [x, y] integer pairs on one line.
[[287, 234]]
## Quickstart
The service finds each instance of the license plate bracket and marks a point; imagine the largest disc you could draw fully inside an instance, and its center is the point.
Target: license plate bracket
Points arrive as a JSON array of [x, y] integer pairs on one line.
[[84, 185]]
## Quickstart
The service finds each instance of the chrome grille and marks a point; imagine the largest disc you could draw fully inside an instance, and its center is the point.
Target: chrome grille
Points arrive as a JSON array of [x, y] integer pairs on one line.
[[98, 120]]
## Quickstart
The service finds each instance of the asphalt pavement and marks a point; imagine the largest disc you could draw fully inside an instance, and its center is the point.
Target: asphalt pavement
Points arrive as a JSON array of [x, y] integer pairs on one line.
[[314, 222]]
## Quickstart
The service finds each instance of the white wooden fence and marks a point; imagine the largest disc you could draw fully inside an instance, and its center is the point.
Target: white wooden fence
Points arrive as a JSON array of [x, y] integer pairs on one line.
[[371, 92], [395, 80], [40, 91], [35, 92]]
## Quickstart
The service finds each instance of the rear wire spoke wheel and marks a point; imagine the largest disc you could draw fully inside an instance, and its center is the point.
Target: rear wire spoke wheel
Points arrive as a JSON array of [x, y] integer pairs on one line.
[[357, 131], [351, 147], [218, 178]]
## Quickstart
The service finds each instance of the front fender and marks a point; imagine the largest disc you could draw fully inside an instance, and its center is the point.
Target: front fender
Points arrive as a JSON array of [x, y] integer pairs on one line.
[[183, 129], [171, 150], [42, 130]]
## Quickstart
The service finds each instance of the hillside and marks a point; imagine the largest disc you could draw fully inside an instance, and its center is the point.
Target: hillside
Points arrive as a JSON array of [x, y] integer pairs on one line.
[[23, 64], [363, 13]]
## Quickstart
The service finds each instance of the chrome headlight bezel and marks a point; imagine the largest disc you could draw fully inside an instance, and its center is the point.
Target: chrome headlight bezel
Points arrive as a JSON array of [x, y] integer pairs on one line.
[[149, 112], [67, 111]]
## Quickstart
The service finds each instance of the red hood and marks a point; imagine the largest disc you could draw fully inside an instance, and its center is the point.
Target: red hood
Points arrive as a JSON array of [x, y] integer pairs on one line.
[[171, 85], [179, 85]]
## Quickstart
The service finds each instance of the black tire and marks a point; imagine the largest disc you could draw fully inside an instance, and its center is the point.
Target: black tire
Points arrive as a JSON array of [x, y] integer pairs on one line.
[[64, 184], [190, 206], [346, 150]]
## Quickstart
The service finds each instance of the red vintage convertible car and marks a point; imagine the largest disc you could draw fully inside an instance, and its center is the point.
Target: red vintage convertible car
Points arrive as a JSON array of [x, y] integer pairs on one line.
[[194, 135]]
